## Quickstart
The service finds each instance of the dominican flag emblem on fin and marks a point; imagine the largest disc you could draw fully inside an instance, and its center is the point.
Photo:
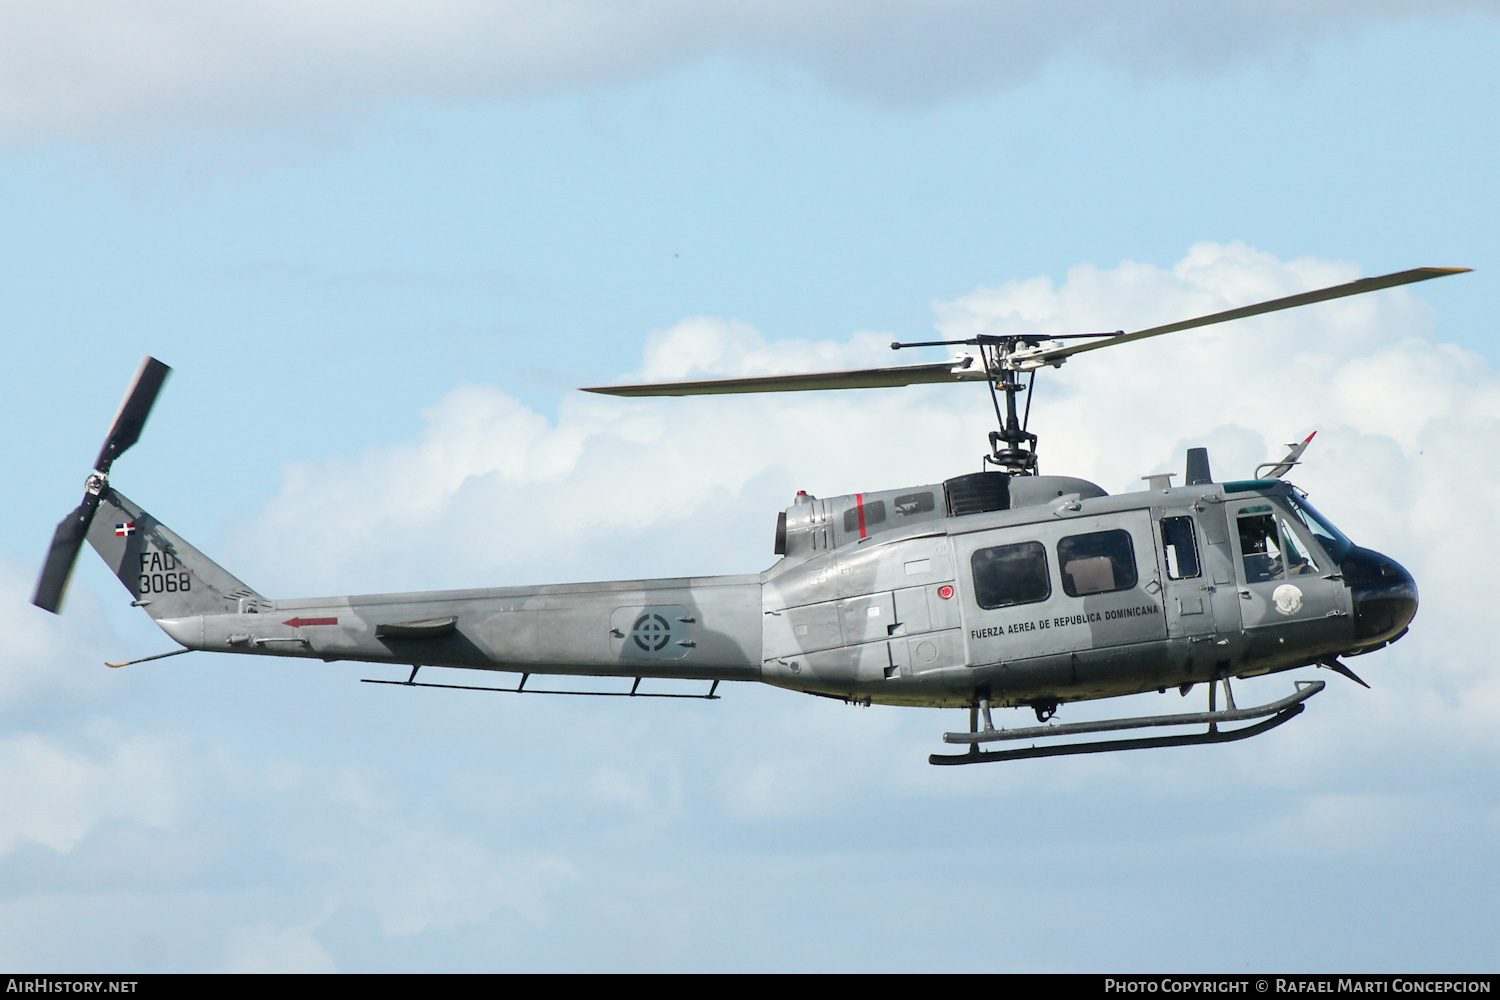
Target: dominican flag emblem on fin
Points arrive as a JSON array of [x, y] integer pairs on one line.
[[128, 528]]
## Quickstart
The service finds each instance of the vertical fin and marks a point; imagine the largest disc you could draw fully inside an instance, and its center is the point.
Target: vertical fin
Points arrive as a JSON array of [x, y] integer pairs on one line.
[[165, 575]]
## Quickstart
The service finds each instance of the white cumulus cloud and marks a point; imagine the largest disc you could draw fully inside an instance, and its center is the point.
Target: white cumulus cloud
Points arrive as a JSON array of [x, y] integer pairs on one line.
[[43, 654], [265, 947], [53, 796]]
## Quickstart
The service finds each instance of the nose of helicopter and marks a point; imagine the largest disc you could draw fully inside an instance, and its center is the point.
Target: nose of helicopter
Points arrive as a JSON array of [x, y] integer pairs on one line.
[[1385, 596]]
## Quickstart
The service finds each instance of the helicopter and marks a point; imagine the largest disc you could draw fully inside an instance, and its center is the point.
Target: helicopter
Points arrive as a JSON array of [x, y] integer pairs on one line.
[[1002, 588]]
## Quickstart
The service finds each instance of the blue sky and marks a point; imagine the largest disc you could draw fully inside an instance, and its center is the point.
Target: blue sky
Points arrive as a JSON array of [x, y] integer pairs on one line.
[[379, 270]]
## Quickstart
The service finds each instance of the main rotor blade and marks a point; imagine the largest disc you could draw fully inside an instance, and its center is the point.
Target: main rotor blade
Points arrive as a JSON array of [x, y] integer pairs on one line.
[[1288, 302], [860, 378], [134, 409], [66, 542]]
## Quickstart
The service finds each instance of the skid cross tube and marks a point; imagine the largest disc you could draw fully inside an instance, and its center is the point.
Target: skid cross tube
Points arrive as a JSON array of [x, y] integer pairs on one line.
[[1305, 690], [1281, 711]]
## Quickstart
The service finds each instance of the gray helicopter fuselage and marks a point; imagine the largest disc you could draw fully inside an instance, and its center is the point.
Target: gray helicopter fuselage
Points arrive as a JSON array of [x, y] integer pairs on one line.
[[1068, 594], [1025, 590]]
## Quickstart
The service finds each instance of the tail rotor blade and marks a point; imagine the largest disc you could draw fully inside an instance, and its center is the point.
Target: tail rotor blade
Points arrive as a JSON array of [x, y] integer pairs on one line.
[[73, 529], [134, 410], [66, 542]]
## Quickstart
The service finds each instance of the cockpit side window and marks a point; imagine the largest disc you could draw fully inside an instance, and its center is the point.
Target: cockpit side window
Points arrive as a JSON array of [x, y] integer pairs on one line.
[[1181, 545], [1271, 547], [1260, 545], [1297, 564]]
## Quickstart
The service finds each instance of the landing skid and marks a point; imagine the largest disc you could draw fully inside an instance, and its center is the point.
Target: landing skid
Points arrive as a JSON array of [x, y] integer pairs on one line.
[[521, 688], [1279, 712]]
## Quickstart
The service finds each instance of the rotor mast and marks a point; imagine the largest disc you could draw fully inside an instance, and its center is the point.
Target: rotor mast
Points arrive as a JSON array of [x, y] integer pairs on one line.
[[1013, 459], [1013, 446]]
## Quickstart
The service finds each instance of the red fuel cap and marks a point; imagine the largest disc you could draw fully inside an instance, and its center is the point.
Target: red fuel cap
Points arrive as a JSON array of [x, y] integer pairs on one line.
[[945, 592]]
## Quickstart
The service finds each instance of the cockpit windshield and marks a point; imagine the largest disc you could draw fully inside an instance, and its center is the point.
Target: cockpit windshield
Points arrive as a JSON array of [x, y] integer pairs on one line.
[[1334, 542]]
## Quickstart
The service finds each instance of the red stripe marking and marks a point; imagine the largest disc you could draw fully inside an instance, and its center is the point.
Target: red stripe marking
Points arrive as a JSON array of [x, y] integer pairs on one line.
[[299, 622], [859, 500]]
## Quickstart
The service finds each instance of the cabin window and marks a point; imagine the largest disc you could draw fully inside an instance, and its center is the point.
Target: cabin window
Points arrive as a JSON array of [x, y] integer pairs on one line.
[[874, 514], [1180, 544], [1005, 575], [915, 503], [1097, 563], [1260, 545]]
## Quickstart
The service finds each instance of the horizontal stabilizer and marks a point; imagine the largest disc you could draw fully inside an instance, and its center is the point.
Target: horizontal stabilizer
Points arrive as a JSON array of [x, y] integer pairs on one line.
[[427, 628]]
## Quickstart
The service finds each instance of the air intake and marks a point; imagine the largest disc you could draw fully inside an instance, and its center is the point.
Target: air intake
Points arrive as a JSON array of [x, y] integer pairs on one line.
[[977, 493]]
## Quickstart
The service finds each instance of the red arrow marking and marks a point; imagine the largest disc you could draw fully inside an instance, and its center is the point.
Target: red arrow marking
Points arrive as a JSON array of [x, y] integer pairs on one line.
[[299, 622]]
